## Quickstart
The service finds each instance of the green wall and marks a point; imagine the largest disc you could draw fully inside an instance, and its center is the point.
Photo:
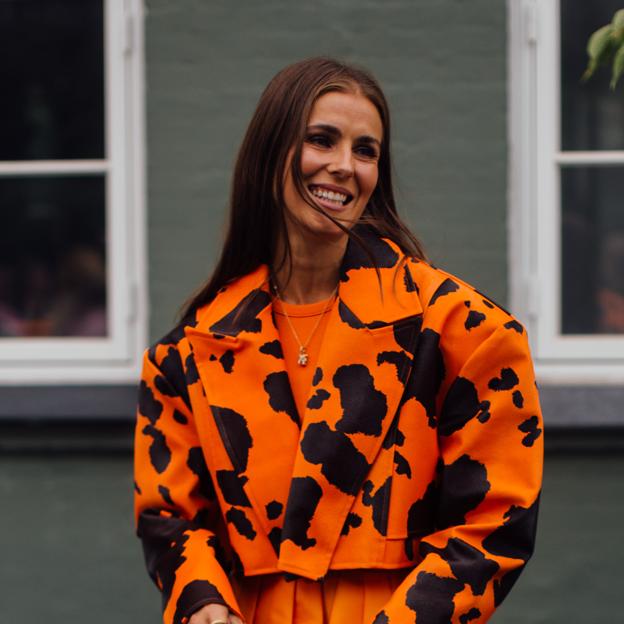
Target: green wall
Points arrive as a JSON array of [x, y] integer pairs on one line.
[[442, 64], [69, 554]]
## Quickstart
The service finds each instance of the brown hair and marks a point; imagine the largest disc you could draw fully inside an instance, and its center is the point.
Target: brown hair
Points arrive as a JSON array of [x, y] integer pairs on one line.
[[256, 214]]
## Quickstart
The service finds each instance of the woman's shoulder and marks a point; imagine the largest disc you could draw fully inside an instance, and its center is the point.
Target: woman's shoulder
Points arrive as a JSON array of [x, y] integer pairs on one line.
[[169, 354], [218, 311], [447, 297], [215, 315]]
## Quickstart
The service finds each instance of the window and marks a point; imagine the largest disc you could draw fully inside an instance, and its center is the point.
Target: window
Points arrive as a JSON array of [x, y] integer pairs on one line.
[[71, 191], [567, 184]]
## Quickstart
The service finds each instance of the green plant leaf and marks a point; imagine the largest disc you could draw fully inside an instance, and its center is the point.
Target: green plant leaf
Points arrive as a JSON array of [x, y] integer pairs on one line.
[[618, 19], [618, 67], [598, 48], [618, 29], [617, 37], [599, 42]]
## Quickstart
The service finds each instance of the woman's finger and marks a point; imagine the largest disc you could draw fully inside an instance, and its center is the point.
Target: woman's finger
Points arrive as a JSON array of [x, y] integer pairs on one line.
[[210, 614], [234, 619]]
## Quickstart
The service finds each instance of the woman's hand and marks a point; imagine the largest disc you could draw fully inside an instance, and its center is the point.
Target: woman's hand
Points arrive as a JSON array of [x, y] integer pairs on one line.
[[213, 614]]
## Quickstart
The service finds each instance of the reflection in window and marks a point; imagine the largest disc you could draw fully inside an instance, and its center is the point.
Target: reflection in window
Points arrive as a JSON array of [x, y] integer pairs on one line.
[[592, 115], [52, 77], [52, 256], [592, 223]]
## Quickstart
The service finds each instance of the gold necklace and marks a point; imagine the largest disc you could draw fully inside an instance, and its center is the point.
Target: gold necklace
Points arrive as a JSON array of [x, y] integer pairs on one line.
[[304, 356]]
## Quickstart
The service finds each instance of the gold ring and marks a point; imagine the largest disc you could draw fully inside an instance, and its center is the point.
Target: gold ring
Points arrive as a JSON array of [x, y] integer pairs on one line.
[[218, 622]]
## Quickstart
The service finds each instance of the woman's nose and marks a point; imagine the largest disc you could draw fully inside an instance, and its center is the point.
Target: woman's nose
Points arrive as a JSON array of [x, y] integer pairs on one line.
[[342, 162]]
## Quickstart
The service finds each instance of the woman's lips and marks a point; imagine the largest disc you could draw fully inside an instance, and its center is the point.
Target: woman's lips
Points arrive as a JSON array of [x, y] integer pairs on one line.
[[329, 205], [327, 202]]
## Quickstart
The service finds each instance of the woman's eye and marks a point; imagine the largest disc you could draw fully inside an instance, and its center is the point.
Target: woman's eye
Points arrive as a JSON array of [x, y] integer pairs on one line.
[[367, 151], [319, 139]]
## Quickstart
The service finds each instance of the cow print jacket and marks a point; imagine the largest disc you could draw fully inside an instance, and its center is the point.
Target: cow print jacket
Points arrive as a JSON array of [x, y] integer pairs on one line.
[[421, 446]]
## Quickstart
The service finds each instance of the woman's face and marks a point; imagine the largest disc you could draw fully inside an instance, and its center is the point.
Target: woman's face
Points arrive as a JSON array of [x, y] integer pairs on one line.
[[339, 163]]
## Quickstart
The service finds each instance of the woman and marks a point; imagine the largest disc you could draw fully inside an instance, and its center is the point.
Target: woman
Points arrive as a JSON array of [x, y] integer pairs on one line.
[[337, 431]]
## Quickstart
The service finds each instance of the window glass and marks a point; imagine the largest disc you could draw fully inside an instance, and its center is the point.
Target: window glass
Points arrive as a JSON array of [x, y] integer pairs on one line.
[[52, 77], [52, 256], [592, 116], [592, 236]]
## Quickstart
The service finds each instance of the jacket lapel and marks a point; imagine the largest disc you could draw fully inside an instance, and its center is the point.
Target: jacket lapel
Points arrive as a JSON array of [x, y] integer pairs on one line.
[[241, 367], [364, 361]]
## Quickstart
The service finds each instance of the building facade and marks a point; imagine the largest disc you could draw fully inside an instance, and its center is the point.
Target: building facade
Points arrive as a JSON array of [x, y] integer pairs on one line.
[[126, 119], [119, 128]]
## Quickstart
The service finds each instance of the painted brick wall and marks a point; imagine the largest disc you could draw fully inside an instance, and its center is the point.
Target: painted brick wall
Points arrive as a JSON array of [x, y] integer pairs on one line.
[[442, 64], [70, 555]]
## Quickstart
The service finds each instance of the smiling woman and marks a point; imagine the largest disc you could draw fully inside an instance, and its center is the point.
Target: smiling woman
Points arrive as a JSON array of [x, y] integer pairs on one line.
[[318, 440]]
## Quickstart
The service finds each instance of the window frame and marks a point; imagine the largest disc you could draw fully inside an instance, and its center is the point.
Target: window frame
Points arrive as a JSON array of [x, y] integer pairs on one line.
[[536, 159], [116, 357]]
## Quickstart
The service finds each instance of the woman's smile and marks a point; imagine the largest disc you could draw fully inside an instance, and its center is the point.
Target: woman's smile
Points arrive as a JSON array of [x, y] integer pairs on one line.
[[330, 196]]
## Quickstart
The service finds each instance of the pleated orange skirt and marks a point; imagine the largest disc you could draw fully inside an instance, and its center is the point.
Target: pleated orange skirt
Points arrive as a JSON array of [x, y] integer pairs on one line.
[[342, 597]]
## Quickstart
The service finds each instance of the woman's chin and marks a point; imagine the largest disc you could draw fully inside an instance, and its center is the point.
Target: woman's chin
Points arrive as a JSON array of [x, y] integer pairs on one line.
[[328, 231], [321, 229]]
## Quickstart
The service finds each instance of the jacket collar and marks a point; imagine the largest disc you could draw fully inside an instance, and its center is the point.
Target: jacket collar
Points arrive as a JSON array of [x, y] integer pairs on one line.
[[278, 463], [367, 299]]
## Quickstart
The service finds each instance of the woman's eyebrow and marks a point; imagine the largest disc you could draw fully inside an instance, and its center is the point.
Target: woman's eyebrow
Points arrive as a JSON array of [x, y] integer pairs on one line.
[[365, 138], [369, 139]]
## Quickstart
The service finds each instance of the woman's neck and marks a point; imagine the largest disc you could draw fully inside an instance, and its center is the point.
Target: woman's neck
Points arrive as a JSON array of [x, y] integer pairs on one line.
[[315, 269]]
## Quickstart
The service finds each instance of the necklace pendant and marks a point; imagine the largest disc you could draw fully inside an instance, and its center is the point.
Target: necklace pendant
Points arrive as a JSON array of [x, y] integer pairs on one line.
[[303, 357]]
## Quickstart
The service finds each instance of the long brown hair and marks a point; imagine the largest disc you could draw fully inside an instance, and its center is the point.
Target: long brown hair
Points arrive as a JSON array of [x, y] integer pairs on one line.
[[256, 213]]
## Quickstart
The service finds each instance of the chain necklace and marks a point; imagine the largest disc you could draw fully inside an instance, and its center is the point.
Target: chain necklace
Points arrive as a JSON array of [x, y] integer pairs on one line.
[[304, 356]]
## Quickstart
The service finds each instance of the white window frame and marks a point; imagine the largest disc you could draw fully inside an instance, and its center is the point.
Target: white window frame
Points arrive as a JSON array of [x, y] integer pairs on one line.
[[116, 357], [534, 191]]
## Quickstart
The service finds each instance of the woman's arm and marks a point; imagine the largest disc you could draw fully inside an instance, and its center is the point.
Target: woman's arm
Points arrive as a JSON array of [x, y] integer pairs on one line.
[[489, 428], [175, 504]]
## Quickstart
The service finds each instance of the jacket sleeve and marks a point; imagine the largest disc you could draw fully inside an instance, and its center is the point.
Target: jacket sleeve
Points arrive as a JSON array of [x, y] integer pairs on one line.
[[489, 479], [175, 504]]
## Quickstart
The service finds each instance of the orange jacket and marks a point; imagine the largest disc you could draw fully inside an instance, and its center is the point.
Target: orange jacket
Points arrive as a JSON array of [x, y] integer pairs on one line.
[[421, 445]]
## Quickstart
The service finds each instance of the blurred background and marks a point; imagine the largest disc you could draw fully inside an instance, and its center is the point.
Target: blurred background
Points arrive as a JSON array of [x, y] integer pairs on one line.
[[119, 124]]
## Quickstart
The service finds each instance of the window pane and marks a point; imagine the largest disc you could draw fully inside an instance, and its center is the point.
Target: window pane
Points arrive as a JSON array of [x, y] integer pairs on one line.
[[592, 115], [52, 256], [52, 77], [592, 250]]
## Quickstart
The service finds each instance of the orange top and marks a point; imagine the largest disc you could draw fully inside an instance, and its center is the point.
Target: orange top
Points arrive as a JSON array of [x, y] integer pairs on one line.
[[304, 318]]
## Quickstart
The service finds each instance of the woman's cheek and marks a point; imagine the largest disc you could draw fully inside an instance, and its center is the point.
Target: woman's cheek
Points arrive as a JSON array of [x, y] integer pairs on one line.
[[368, 182], [311, 161]]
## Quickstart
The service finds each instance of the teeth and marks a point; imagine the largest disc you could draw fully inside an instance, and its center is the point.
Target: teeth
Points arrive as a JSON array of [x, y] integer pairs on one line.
[[331, 195]]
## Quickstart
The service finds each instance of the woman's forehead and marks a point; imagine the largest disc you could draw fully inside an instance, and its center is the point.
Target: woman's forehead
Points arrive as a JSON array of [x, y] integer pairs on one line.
[[347, 111]]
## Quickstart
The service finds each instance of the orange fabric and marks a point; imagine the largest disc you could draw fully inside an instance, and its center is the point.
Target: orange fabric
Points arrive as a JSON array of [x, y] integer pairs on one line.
[[420, 449], [343, 597], [304, 319]]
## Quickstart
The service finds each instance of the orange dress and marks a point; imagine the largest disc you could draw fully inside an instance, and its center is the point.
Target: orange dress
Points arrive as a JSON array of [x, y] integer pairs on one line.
[[354, 596]]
